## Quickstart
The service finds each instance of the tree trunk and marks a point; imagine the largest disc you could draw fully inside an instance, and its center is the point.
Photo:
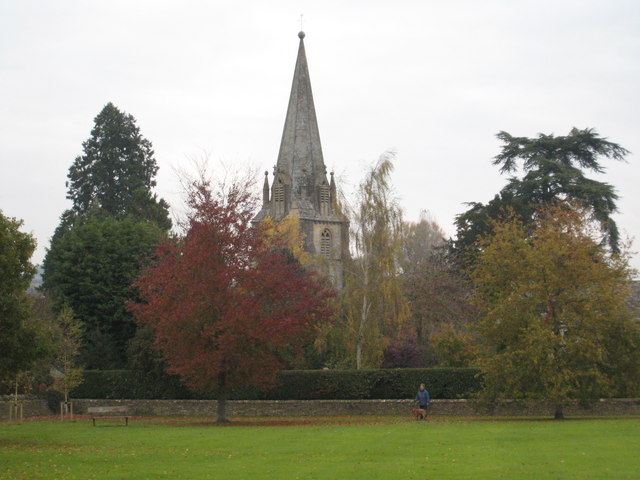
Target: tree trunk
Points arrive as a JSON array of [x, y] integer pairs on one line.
[[363, 317], [66, 389], [222, 398], [559, 414], [361, 329]]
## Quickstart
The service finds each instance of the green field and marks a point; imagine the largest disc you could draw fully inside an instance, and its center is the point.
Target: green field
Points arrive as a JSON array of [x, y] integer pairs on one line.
[[353, 448]]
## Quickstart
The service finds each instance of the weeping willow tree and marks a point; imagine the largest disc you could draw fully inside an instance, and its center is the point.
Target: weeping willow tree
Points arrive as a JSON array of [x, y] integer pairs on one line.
[[373, 303]]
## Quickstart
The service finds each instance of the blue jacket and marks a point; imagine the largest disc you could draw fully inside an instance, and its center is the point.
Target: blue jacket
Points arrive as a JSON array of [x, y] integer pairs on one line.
[[423, 397]]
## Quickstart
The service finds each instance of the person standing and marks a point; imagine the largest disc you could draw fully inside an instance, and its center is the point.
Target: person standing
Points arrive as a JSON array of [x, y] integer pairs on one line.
[[423, 397]]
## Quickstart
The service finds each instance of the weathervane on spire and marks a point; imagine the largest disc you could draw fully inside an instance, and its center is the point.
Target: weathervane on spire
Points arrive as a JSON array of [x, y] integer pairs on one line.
[[301, 20]]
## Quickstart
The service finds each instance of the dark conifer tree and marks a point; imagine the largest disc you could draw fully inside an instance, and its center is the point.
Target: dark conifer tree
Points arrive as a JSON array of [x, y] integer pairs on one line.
[[116, 173], [107, 235], [553, 172]]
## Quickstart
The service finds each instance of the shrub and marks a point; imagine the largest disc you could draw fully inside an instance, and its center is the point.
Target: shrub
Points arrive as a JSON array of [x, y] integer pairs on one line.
[[53, 398], [406, 352], [295, 385], [106, 384]]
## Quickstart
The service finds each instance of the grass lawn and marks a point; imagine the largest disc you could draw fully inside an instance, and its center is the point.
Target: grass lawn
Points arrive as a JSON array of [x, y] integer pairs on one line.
[[351, 448]]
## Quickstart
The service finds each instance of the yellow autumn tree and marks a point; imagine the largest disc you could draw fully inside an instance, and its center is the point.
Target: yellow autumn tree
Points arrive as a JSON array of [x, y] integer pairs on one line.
[[287, 232], [373, 305], [70, 333], [555, 318]]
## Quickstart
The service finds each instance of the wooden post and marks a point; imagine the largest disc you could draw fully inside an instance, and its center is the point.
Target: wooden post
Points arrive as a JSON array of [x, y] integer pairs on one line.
[[66, 410], [16, 411]]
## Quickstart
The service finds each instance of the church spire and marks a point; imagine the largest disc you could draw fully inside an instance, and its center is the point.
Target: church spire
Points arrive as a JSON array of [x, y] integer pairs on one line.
[[300, 188], [300, 157]]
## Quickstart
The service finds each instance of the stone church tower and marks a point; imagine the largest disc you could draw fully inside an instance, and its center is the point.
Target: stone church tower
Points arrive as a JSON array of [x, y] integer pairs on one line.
[[300, 187]]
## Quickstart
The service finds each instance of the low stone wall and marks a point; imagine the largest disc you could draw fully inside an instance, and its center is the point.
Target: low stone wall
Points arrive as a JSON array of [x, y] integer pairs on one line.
[[297, 408], [30, 408]]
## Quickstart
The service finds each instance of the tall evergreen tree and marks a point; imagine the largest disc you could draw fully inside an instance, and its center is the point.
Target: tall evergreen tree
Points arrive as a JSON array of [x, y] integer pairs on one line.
[[553, 170], [107, 235], [116, 173]]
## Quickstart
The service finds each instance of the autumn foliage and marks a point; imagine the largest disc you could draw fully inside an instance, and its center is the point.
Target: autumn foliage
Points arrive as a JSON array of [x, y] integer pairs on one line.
[[555, 321], [227, 301]]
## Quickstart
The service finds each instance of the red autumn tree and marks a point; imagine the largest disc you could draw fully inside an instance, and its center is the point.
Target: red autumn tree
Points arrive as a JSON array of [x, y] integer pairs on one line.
[[227, 301]]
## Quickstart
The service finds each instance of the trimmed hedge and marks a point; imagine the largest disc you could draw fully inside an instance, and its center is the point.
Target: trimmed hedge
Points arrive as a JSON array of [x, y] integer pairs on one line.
[[369, 384], [294, 385], [104, 384], [127, 384]]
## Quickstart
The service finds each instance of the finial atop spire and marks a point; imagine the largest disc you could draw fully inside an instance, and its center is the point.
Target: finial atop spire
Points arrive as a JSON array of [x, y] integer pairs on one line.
[[265, 190], [300, 34]]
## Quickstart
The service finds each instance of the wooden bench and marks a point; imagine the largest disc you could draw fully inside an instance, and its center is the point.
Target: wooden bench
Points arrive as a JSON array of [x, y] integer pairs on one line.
[[109, 412]]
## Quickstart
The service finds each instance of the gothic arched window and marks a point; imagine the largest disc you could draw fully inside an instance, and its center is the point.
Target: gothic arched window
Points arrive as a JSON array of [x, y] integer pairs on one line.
[[325, 243]]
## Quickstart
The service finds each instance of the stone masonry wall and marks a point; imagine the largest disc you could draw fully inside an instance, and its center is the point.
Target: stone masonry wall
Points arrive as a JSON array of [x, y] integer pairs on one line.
[[30, 408], [297, 408]]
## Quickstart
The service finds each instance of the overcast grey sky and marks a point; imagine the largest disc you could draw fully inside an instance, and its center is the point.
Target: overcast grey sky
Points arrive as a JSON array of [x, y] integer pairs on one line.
[[432, 80]]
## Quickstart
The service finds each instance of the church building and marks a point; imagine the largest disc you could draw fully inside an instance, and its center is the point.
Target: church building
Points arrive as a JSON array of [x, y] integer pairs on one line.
[[300, 186]]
